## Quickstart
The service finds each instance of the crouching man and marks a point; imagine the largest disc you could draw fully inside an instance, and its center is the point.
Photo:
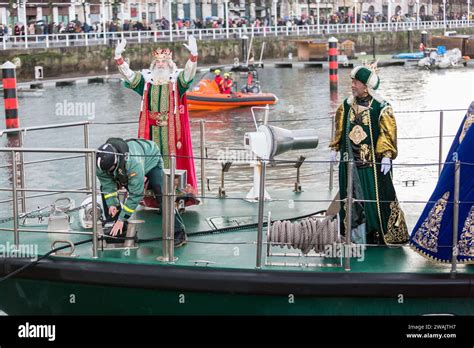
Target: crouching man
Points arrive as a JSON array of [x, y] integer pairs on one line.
[[126, 163]]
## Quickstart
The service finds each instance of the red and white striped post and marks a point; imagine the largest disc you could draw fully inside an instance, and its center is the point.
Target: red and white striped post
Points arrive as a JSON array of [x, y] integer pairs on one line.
[[10, 95], [333, 64]]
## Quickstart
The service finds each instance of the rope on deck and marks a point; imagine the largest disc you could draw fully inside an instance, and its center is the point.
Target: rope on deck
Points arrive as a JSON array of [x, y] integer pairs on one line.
[[311, 233]]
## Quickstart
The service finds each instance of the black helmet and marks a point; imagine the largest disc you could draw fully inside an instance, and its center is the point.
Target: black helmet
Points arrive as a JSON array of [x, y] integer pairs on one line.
[[107, 157]]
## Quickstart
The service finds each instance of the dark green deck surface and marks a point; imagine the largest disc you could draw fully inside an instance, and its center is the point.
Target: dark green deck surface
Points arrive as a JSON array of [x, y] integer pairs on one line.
[[237, 249]]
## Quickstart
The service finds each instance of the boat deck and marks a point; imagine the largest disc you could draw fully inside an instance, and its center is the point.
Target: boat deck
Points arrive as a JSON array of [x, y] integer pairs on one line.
[[237, 249]]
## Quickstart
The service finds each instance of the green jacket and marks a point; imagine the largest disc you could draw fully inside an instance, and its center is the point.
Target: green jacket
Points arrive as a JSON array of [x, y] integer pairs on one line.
[[144, 155]]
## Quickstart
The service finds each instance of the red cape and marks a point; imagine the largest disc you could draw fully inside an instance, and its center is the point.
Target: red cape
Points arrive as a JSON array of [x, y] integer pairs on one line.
[[179, 133]]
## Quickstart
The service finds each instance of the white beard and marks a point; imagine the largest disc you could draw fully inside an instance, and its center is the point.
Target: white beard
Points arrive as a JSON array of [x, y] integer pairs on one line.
[[160, 76]]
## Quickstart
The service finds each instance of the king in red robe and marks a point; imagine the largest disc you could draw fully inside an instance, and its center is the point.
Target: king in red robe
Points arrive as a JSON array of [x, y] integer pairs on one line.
[[163, 112]]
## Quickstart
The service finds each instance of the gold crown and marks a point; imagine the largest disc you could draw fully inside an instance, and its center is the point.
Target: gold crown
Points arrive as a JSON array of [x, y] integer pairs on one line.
[[164, 53]]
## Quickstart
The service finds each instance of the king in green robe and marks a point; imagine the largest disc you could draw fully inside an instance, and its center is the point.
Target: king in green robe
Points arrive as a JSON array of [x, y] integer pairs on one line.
[[366, 134]]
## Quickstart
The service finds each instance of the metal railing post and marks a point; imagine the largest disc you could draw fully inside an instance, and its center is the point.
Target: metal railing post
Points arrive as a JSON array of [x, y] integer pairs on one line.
[[331, 165], [440, 149], [87, 156], [202, 133], [457, 182], [165, 218], [94, 205], [22, 173], [261, 204], [16, 234], [350, 168], [171, 206]]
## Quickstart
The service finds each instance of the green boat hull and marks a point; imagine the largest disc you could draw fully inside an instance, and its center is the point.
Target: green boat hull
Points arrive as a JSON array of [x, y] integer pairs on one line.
[[32, 297]]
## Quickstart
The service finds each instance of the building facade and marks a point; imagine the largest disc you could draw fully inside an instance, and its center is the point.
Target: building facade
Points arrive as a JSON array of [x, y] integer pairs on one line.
[[147, 11]]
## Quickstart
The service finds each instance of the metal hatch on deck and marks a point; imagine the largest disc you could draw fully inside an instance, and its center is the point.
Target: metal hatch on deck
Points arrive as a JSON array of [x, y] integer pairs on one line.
[[219, 222]]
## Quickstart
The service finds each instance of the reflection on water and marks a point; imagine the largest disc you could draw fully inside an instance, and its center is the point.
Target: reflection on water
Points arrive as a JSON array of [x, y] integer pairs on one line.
[[303, 95]]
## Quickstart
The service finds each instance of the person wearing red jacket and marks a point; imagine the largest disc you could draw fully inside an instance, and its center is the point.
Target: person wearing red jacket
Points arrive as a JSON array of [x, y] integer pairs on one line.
[[219, 80], [227, 84]]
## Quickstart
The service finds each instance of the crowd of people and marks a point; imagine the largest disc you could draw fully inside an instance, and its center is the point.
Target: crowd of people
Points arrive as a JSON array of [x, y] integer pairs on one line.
[[76, 26]]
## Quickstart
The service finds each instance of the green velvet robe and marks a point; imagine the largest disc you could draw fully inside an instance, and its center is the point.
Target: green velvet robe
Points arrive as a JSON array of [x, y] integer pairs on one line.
[[383, 218]]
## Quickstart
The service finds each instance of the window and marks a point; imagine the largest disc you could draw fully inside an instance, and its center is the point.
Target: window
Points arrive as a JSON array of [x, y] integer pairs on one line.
[[214, 9], [187, 10], [198, 9]]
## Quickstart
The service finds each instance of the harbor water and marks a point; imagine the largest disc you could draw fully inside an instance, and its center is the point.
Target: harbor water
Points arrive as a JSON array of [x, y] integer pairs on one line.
[[304, 102]]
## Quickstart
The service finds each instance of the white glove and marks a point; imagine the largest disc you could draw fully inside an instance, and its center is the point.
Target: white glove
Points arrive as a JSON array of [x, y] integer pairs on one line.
[[386, 165], [333, 157], [192, 45], [120, 48]]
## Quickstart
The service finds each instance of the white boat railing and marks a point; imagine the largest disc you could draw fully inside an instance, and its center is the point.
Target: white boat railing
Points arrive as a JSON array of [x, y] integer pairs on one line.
[[99, 38]]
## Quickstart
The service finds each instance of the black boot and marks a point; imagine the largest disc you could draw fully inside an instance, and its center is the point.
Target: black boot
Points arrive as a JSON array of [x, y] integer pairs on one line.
[[180, 238]]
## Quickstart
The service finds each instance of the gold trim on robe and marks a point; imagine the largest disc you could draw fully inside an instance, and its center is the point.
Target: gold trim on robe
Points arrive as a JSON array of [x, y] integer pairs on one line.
[[387, 140], [427, 235]]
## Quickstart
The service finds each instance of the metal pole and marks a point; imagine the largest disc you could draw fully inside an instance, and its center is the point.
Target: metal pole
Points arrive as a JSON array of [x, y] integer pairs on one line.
[[440, 150], [275, 23], [171, 206], [94, 204], [317, 9], [444, 14], [389, 10], [170, 2], [87, 156], [226, 4], [373, 45], [16, 234], [164, 216], [418, 14], [22, 174], [355, 16], [350, 168], [457, 182], [202, 134], [468, 11], [269, 226], [331, 165], [261, 202], [26, 24], [104, 30]]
